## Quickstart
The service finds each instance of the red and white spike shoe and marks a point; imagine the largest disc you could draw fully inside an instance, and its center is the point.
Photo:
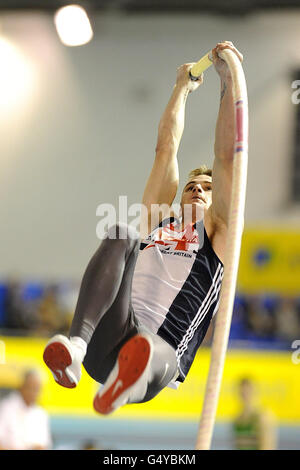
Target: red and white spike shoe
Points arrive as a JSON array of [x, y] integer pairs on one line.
[[128, 373], [64, 359]]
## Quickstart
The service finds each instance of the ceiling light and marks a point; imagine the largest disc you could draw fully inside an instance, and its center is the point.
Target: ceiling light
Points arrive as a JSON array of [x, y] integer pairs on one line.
[[73, 25]]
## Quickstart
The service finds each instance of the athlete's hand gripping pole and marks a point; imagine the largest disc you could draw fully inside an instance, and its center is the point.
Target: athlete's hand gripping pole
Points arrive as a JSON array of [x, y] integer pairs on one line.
[[201, 66]]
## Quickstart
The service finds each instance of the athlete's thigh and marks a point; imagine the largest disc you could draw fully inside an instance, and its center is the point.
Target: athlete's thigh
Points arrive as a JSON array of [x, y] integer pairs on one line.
[[117, 326]]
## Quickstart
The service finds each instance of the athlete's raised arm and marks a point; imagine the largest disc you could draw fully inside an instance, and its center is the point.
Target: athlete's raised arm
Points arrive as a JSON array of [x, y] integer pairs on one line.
[[224, 140], [161, 187]]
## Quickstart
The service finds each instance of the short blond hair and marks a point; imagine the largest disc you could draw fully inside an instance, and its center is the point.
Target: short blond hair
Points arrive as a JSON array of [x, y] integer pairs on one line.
[[202, 170]]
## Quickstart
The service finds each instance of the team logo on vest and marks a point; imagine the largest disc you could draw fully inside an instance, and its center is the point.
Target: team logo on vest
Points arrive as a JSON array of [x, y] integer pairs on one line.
[[172, 239]]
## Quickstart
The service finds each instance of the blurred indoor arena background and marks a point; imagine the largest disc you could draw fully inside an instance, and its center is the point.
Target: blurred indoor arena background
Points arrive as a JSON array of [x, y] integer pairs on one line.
[[78, 129]]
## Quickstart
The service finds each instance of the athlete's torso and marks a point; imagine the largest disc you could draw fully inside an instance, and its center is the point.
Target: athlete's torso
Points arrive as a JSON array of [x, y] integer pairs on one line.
[[176, 287]]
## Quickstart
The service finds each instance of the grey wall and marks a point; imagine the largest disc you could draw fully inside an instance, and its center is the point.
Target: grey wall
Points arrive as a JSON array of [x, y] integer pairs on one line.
[[86, 131]]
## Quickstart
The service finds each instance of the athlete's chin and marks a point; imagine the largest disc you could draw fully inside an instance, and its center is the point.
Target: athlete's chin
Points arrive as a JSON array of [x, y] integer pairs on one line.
[[199, 204], [198, 201], [194, 207]]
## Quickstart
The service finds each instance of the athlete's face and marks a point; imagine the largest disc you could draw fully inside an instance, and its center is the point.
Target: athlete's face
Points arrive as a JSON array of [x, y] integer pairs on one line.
[[198, 192]]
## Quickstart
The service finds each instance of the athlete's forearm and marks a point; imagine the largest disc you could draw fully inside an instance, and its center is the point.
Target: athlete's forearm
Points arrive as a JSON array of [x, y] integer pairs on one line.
[[225, 128], [171, 124]]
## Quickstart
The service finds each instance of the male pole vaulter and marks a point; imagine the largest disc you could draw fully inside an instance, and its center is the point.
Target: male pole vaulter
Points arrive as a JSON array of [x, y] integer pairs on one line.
[[144, 307]]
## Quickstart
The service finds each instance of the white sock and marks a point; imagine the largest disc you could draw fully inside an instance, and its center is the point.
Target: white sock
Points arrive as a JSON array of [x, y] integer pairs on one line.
[[80, 344]]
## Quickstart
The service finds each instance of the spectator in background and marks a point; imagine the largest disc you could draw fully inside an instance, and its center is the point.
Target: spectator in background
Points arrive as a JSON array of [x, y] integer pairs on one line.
[[51, 316], [20, 306], [23, 424], [261, 317], [287, 321], [254, 428], [13, 306]]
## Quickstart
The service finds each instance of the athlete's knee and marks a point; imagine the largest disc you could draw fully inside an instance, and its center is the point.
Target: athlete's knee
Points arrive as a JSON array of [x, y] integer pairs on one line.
[[123, 233]]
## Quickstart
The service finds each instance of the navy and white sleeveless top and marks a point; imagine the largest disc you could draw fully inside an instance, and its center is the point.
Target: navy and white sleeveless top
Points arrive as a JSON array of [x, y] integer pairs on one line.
[[176, 287]]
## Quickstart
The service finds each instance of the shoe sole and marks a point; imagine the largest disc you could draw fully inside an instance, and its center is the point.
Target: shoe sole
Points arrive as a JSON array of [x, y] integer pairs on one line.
[[57, 357], [132, 362]]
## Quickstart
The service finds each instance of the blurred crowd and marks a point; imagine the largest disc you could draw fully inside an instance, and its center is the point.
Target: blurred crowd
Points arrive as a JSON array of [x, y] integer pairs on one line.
[[37, 309], [272, 320]]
